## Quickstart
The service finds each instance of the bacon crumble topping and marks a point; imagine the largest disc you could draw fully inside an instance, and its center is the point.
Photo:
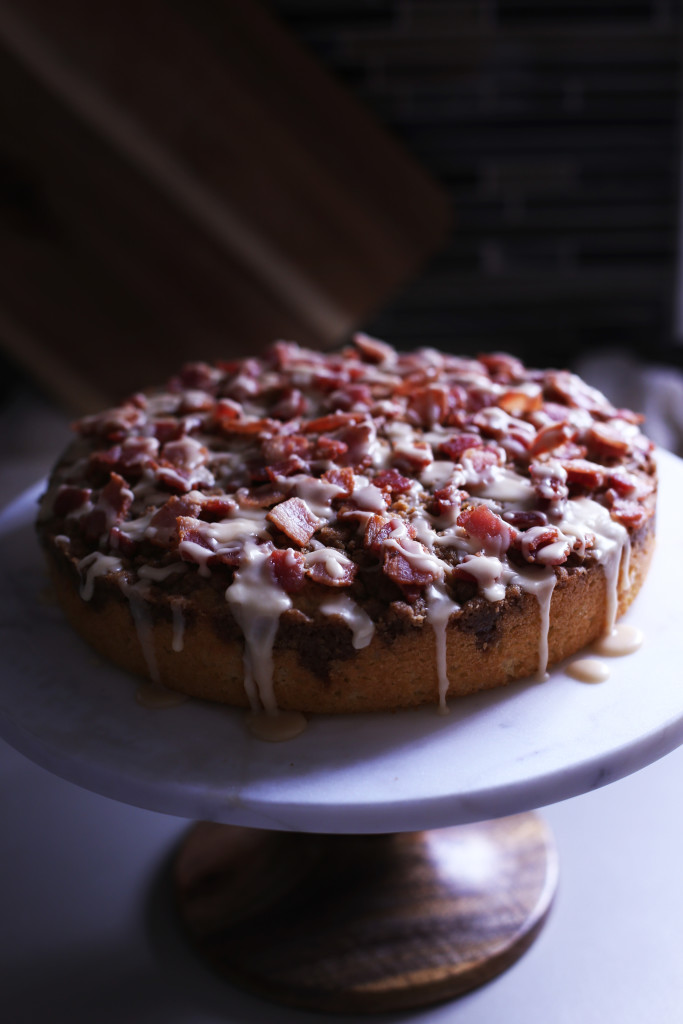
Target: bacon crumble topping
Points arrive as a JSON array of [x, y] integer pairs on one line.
[[345, 466]]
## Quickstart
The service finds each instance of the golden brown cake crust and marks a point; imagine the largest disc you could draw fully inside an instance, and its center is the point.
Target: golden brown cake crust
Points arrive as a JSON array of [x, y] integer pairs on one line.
[[380, 677], [394, 545]]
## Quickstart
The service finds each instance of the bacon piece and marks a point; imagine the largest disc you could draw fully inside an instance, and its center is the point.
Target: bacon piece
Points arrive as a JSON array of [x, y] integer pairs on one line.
[[502, 367], [575, 393], [194, 538], [550, 480], [121, 542], [117, 497], [358, 437], [162, 529], [281, 354], [630, 514], [428, 406], [457, 404], [551, 436], [412, 455], [227, 410], [445, 499], [291, 466], [544, 545], [378, 529], [519, 402], [196, 400], [480, 459], [607, 441], [288, 569], [373, 350], [131, 456], [524, 519], [351, 395], [401, 569], [113, 424], [331, 568], [198, 375], [186, 454], [215, 507], [138, 452], [342, 477], [629, 485], [111, 508], [281, 446], [260, 497], [584, 473], [479, 398], [622, 482], [329, 448], [334, 421], [257, 471], [295, 519], [69, 499], [487, 528], [166, 428], [249, 426], [291, 403], [569, 450], [192, 530], [630, 416], [454, 446], [393, 481]]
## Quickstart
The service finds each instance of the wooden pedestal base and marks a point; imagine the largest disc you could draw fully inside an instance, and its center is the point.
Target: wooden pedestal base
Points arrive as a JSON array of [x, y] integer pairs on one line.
[[365, 923]]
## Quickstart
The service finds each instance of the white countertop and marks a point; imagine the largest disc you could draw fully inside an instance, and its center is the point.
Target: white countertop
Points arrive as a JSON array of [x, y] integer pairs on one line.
[[88, 935]]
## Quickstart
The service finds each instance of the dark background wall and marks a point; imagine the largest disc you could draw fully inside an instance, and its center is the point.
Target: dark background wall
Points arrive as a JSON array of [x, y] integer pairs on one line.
[[538, 169], [555, 126]]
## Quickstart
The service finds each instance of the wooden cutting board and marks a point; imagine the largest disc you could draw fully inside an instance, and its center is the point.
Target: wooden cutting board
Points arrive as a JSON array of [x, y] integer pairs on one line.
[[183, 180]]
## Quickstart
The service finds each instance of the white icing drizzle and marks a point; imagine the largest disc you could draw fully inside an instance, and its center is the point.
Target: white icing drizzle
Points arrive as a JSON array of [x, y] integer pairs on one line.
[[488, 571], [336, 562], [144, 626], [369, 497], [585, 519], [508, 486], [257, 603], [178, 641], [541, 585], [316, 493], [361, 625], [440, 473], [94, 565], [159, 573], [440, 607]]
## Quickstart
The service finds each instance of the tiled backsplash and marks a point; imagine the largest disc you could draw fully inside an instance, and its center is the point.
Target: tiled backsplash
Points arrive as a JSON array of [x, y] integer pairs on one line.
[[555, 127]]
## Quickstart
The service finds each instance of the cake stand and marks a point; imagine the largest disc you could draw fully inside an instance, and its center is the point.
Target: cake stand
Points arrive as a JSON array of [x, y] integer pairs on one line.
[[374, 862]]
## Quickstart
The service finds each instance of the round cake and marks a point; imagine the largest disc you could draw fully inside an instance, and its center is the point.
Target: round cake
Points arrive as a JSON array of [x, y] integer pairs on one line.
[[357, 531]]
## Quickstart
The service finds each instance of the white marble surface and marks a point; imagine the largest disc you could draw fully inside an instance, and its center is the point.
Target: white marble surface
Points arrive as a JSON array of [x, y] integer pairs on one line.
[[512, 749], [87, 933], [88, 936]]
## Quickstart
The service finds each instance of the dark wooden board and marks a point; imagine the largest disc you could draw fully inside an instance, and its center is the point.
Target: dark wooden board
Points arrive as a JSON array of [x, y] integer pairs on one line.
[[183, 180]]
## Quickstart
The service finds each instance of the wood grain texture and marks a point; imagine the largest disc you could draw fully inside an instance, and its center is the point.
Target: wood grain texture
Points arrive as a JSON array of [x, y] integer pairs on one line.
[[183, 180], [365, 923]]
